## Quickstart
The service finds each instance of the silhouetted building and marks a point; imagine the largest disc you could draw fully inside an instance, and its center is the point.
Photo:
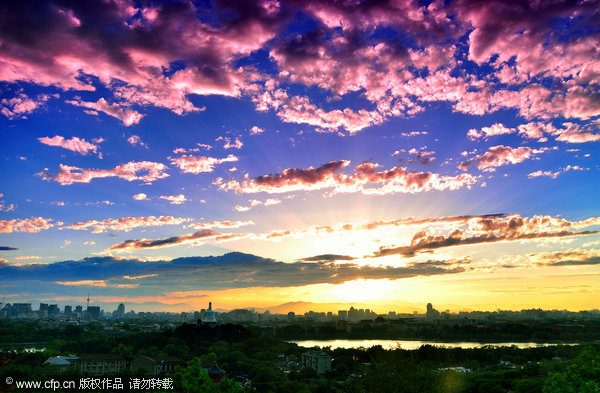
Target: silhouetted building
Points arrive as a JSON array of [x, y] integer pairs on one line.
[[19, 309], [209, 315], [432, 312], [53, 309], [120, 311], [93, 312], [68, 310]]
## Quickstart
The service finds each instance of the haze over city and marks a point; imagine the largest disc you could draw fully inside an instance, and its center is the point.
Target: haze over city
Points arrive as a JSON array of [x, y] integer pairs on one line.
[[377, 154]]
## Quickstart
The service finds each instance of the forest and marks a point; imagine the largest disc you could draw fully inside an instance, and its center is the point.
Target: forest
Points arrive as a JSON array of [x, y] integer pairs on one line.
[[253, 355]]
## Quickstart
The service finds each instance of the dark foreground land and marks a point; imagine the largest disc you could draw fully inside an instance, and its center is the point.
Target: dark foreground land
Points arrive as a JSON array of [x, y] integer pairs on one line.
[[255, 360]]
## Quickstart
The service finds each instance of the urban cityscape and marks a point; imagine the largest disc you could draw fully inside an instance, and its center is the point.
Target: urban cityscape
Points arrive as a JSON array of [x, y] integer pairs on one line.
[[316, 196], [309, 350]]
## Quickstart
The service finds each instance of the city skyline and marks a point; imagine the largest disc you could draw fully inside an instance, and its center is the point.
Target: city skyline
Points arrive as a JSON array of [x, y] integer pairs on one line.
[[252, 154]]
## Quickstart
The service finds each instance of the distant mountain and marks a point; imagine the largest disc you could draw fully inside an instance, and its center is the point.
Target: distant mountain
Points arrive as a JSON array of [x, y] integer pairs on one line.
[[302, 307]]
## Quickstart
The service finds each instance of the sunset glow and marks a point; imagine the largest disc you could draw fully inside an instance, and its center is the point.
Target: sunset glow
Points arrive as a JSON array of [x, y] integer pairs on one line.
[[387, 154]]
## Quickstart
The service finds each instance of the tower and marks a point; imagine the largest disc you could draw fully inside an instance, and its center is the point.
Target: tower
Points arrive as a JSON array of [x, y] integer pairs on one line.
[[209, 316]]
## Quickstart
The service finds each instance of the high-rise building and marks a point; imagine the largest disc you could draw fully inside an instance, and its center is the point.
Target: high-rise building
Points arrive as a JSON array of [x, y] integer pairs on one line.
[[432, 312], [93, 312], [21, 309], [120, 311], [68, 310]]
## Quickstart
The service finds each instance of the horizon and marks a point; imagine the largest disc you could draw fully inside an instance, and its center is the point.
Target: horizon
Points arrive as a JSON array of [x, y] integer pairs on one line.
[[300, 308], [263, 153]]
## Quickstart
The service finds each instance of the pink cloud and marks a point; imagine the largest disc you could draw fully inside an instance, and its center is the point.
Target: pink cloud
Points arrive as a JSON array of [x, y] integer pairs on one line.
[[221, 224], [228, 144], [198, 164], [140, 197], [414, 133], [491, 229], [74, 144], [128, 117], [536, 129], [340, 56], [539, 173], [300, 110], [254, 202], [291, 179], [145, 171], [174, 199], [126, 224], [554, 175], [501, 155], [150, 39], [19, 107], [30, 225], [255, 130], [365, 176], [136, 140], [4, 207], [574, 133], [495, 129]]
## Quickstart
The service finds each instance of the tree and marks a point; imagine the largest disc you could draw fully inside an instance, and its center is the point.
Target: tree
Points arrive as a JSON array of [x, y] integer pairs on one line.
[[194, 379], [582, 376]]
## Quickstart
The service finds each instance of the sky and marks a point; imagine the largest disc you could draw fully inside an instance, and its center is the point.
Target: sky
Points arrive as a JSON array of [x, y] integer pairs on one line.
[[380, 153]]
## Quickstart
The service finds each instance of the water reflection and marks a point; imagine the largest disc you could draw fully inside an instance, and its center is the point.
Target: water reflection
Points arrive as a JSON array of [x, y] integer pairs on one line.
[[404, 344]]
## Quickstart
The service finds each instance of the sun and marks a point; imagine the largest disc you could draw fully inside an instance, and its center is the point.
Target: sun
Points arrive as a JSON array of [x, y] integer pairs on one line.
[[361, 290]]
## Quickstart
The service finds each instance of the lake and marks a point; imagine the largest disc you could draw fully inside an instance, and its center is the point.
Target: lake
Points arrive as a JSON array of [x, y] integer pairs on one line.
[[409, 344]]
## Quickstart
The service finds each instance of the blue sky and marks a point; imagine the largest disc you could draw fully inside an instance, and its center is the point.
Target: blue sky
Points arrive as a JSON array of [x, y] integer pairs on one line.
[[391, 143]]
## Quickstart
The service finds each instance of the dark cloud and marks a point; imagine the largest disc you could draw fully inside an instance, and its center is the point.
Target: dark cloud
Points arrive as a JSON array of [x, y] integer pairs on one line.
[[328, 257], [166, 242], [424, 242], [573, 257], [233, 270], [590, 261], [496, 20], [137, 43], [6, 248]]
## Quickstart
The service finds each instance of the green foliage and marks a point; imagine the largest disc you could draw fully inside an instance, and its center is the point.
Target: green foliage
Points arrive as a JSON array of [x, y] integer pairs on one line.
[[194, 379], [253, 353], [582, 375]]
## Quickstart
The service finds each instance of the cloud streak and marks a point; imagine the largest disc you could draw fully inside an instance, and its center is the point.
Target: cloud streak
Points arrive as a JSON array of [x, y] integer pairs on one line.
[[501, 155], [142, 244], [27, 225], [126, 224], [200, 164], [492, 230], [127, 116], [74, 144], [145, 171], [328, 176]]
